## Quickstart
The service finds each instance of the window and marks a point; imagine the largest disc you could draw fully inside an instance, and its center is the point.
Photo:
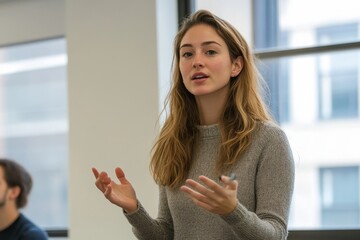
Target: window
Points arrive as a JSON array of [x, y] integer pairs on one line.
[[339, 196], [309, 54], [338, 79], [33, 124], [315, 98]]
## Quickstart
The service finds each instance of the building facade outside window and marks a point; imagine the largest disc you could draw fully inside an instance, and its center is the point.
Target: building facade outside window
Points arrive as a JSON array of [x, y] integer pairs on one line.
[[339, 188], [338, 74]]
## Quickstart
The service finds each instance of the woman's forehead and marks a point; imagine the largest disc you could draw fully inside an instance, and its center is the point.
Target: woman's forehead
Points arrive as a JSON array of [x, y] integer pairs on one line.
[[199, 34]]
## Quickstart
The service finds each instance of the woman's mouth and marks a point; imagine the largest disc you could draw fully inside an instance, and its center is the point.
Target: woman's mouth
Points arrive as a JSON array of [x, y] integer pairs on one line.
[[198, 76]]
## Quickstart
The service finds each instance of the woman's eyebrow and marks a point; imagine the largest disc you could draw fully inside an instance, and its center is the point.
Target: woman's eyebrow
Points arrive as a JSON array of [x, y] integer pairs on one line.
[[185, 45], [202, 44], [209, 43]]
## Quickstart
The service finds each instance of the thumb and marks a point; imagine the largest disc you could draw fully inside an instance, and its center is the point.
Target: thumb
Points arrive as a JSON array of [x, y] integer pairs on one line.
[[121, 176], [230, 182]]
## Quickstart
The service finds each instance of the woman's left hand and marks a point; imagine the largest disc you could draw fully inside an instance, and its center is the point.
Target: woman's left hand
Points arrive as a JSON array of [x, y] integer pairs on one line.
[[216, 198]]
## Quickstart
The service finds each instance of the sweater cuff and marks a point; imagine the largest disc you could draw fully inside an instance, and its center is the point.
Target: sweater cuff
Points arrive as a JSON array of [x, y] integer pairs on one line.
[[134, 212], [237, 216]]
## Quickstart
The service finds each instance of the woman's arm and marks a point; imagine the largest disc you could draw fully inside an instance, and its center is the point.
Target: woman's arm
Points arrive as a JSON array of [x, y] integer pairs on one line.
[[145, 227]]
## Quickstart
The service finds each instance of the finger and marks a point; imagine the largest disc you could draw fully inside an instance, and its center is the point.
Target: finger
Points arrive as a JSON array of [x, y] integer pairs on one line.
[[95, 172], [229, 178], [199, 193], [100, 185], [211, 184], [193, 194], [121, 175], [196, 197], [107, 191], [98, 182], [229, 182], [199, 188], [104, 178]]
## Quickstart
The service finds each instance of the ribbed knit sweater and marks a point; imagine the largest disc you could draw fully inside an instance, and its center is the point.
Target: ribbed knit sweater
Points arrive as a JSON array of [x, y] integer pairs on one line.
[[265, 173]]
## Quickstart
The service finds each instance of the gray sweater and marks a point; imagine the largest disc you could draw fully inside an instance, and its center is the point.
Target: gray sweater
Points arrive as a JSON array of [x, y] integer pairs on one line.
[[265, 173]]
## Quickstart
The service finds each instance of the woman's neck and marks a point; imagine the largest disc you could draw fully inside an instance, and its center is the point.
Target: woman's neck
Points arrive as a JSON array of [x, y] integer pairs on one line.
[[211, 107]]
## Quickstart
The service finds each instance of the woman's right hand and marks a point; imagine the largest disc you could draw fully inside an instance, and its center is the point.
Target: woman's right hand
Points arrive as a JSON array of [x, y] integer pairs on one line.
[[121, 194]]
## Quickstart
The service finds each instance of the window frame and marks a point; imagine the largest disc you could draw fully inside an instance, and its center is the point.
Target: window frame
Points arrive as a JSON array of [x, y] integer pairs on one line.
[[262, 54]]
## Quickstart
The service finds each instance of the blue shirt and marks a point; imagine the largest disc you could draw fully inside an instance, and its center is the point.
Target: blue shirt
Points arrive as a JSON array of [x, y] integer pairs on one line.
[[23, 229]]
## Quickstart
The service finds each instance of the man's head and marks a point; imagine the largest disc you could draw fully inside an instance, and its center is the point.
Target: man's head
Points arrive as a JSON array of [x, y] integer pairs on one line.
[[14, 177]]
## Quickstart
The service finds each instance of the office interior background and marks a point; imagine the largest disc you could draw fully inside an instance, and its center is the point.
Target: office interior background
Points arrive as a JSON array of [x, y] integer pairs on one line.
[[82, 84]]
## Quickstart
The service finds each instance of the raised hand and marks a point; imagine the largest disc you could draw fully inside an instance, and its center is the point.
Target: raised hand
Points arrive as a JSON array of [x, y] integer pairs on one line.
[[121, 194], [212, 196]]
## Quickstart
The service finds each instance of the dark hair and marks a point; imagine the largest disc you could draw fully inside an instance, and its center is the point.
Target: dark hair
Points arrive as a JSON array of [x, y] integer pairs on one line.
[[16, 176]]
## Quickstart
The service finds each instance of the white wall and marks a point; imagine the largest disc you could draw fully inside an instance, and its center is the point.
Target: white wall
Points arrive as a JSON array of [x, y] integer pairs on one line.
[[114, 52], [29, 20], [113, 102], [237, 12]]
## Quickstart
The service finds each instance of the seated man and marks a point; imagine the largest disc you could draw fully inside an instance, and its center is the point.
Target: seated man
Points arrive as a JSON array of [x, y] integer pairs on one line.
[[15, 186]]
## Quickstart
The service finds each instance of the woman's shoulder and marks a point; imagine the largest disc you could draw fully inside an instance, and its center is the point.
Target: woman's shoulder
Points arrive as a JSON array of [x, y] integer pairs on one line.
[[270, 131]]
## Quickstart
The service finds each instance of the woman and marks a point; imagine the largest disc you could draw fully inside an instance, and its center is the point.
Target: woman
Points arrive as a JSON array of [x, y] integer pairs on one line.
[[217, 125]]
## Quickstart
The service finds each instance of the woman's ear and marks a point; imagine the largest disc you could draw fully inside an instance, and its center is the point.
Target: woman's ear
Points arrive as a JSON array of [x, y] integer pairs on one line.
[[237, 66]]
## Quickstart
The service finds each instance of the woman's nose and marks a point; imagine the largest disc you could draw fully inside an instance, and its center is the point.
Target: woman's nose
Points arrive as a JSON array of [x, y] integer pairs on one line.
[[198, 61]]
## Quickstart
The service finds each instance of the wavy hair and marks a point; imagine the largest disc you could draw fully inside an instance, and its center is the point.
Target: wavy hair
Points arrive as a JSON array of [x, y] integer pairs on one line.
[[172, 152]]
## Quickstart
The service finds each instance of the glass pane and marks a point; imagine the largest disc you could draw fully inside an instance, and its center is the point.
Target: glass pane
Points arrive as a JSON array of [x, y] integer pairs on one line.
[[303, 23], [34, 124], [292, 23], [339, 196], [316, 100]]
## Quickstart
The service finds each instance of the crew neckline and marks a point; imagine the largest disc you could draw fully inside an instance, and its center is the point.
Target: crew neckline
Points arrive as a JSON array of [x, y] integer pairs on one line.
[[206, 131]]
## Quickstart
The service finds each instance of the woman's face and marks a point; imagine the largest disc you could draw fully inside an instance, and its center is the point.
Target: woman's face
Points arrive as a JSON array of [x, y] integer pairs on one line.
[[205, 63]]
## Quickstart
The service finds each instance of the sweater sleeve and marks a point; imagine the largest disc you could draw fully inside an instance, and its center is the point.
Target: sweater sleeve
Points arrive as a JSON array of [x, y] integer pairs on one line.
[[274, 187], [145, 227]]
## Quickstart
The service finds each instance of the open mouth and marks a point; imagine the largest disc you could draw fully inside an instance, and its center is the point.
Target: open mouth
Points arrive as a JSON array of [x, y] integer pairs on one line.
[[199, 76]]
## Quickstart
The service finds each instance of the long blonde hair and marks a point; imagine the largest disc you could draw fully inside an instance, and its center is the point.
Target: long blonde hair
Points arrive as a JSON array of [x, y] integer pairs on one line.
[[172, 152]]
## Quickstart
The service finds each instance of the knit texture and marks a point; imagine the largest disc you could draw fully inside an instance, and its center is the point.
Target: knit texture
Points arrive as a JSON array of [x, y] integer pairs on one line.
[[265, 173]]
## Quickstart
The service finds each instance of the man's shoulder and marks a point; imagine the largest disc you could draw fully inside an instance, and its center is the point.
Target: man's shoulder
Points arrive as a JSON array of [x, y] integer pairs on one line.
[[23, 229], [30, 230], [34, 233]]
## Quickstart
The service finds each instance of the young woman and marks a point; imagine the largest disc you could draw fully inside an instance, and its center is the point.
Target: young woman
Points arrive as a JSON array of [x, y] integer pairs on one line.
[[217, 126]]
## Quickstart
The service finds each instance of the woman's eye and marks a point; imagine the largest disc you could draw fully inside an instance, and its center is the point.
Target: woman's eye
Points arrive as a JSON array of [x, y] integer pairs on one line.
[[211, 52], [187, 54]]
